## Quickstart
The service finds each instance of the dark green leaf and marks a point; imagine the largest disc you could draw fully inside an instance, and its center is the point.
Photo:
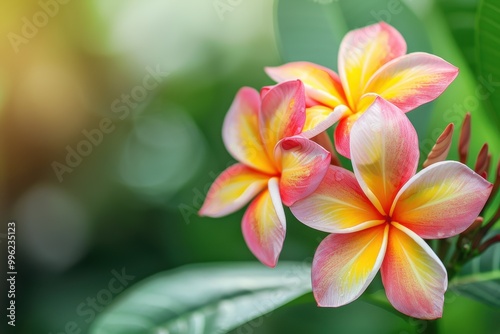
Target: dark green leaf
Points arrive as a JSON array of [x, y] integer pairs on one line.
[[204, 298], [488, 53], [461, 18], [465, 94], [480, 278]]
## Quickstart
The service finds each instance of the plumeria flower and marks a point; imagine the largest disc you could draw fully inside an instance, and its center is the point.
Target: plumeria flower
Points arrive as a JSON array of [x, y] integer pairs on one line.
[[274, 165], [372, 61], [379, 215]]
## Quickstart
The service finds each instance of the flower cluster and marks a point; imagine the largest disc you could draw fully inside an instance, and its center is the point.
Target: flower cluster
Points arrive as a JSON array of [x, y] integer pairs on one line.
[[377, 215]]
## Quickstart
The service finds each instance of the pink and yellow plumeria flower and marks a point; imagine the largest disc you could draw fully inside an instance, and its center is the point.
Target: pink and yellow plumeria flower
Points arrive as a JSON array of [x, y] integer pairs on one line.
[[274, 164], [379, 214], [372, 61]]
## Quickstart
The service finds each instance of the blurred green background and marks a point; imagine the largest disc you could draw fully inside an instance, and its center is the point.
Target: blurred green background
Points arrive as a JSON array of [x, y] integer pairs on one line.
[[129, 202]]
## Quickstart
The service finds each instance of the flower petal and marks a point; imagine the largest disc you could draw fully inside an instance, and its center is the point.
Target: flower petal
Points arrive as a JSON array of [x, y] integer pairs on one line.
[[320, 118], [323, 139], [412, 80], [264, 90], [342, 134], [343, 130], [384, 152], [442, 200], [240, 131], [234, 188], [321, 84], [283, 113], [264, 226], [338, 205], [440, 150], [362, 52], [345, 264], [303, 165], [414, 278]]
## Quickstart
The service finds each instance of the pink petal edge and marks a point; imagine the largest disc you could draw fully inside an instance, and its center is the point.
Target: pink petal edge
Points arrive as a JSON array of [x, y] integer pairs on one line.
[[303, 165]]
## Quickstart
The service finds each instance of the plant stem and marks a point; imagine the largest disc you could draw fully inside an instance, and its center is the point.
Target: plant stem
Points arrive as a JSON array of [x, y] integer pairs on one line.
[[443, 247], [488, 243]]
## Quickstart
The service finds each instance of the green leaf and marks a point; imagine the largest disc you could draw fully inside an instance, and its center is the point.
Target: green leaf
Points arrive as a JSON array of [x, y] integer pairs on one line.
[[488, 53], [465, 94], [204, 298], [311, 30], [480, 278], [461, 18]]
